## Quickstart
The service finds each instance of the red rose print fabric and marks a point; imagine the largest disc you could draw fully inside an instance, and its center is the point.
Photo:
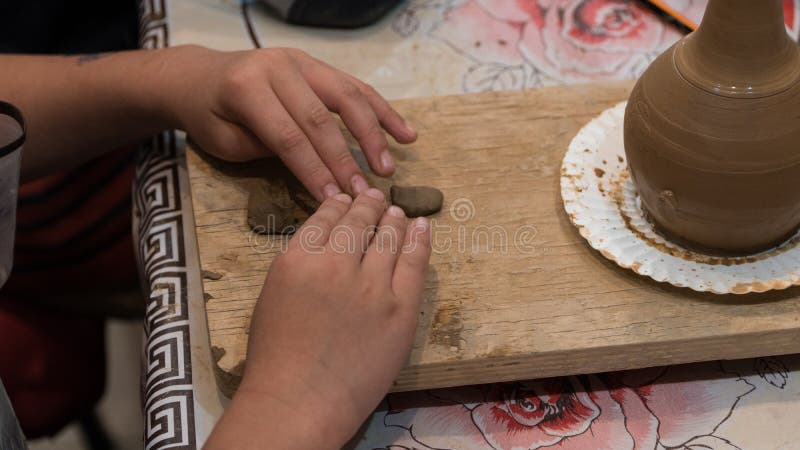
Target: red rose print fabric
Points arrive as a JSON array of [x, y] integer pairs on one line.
[[528, 43], [678, 407]]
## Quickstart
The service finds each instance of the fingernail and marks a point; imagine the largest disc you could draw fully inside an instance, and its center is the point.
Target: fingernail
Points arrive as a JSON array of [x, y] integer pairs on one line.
[[359, 184], [344, 198], [421, 224], [395, 211], [409, 128], [330, 190], [386, 160], [374, 193]]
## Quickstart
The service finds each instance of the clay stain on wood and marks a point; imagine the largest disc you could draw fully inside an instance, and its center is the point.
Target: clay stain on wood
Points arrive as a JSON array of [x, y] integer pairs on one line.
[[447, 327], [227, 380]]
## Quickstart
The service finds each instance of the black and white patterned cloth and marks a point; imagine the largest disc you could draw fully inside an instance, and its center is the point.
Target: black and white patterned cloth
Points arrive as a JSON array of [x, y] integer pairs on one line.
[[168, 396]]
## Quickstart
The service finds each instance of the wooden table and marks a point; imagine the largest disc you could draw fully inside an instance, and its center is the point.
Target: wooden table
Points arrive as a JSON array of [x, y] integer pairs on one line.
[[530, 308]]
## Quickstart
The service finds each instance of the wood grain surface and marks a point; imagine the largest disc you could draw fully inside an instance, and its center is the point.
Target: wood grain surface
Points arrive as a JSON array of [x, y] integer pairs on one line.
[[513, 291]]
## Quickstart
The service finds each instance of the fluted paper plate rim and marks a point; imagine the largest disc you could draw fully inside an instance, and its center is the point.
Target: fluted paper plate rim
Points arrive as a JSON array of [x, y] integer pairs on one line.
[[601, 202]]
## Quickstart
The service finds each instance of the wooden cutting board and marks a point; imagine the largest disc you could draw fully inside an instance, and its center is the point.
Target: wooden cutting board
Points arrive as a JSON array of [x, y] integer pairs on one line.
[[493, 312]]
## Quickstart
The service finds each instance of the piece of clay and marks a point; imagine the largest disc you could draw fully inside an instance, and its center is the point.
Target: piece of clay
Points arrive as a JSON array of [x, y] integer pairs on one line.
[[270, 207], [711, 132], [277, 202], [300, 196], [209, 275], [266, 216], [417, 201]]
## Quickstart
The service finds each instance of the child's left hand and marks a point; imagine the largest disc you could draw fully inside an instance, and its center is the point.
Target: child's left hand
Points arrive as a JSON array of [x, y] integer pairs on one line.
[[245, 105]]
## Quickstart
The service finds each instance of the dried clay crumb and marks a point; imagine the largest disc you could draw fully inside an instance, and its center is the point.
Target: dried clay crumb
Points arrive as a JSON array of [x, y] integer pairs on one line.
[[209, 275]]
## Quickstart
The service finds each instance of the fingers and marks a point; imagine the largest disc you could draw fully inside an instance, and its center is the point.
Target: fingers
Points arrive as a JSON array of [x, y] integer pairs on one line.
[[318, 124], [390, 119], [362, 109], [345, 98], [383, 251], [294, 119], [315, 232], [360, 119], [273, 125], [409, 273], [352, 236]]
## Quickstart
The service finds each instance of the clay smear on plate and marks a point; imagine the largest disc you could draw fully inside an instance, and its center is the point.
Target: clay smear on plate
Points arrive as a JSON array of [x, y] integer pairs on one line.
[[616, 192]]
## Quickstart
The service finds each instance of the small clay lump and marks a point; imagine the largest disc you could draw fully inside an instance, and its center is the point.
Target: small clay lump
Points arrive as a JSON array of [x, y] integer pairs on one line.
[[417, 201]]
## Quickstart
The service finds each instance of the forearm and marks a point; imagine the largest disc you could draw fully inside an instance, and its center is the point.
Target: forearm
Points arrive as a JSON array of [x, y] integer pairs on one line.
[[77, 107]]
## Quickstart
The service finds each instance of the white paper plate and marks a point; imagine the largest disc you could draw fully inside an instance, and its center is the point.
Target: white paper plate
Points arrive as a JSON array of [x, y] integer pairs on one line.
[[601, 200]]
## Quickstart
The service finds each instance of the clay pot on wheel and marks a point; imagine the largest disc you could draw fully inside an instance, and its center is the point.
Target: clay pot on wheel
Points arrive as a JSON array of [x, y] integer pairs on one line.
[[712, 132]]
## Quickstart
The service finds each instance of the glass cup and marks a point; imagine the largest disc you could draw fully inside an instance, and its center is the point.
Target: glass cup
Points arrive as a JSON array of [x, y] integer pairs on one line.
[[12, 135]]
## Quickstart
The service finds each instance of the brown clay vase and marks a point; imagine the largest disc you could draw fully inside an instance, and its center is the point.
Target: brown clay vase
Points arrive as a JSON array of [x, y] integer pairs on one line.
[[712, 132]]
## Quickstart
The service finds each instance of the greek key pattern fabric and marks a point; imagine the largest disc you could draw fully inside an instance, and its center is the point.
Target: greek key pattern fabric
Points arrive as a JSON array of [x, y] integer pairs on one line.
[[168, 398]]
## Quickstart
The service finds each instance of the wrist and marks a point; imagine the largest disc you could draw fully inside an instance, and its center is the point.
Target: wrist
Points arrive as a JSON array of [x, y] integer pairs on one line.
[[126, 87], [159, 86], [287, 412], [175, 83], [154, 84]]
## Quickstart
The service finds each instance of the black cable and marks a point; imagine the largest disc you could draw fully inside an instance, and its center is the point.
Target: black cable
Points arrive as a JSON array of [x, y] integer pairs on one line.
[[251, 31]]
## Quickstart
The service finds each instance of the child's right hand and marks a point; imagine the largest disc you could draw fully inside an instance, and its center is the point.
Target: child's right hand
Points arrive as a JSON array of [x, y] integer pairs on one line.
[[333, 326]]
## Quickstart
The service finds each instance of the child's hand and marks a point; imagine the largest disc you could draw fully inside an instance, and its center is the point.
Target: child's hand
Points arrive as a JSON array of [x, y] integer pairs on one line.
[[242, 105], [333, 326]]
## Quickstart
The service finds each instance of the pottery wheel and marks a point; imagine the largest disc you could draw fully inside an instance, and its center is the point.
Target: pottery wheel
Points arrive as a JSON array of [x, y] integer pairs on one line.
[[601, 200]]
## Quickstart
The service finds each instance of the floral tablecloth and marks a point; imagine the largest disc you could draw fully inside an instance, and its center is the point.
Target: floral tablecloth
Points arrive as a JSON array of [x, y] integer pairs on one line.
[[436, 47]]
